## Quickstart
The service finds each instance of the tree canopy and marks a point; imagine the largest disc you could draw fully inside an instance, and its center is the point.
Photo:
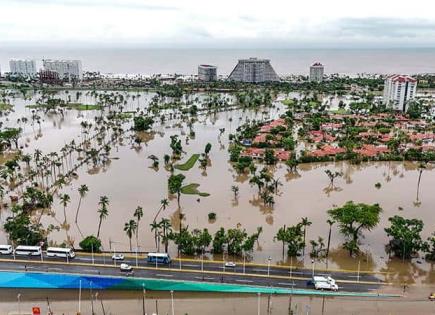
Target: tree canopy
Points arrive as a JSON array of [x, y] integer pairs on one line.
[[352, 219]]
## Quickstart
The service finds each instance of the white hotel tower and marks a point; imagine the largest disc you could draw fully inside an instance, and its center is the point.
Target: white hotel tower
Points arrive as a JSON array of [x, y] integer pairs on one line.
[[67, 69], [399, 90]]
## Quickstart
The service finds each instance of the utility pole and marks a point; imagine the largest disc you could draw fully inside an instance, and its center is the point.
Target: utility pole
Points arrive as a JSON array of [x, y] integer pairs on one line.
[[143, 300], [50, 312], [172, 302]]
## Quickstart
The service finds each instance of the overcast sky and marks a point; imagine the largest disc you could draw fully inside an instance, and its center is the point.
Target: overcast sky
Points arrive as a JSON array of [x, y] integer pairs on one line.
[[220, 23]]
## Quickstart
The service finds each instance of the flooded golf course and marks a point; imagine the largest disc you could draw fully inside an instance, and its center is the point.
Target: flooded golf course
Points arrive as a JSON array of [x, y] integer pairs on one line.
[[129, 180]]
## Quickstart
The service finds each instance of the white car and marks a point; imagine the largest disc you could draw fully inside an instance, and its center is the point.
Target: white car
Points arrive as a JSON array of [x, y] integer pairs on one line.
[[230, 264], [118, 257], [125, 267], [324, 283]]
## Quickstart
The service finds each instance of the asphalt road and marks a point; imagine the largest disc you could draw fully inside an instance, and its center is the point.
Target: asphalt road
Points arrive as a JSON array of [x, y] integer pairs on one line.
[[191, 270]]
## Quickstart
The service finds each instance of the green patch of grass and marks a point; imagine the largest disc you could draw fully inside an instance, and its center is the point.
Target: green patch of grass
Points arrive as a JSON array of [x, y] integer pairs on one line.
[[5, 107], [123, 116], [339, 111], [288, 102], [192, 189], [79, 106], [188, 164], [76, 106]]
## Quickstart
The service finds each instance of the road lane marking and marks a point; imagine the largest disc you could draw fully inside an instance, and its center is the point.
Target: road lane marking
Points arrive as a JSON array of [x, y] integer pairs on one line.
[[262, 270], [286, 283], [163, 275], [204, 278], [243, 280], [187, 265]]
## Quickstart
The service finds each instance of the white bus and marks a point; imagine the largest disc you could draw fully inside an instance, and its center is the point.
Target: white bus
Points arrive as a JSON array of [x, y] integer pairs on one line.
[[6, 249], [28, 250], [60, 252], [160, 258]]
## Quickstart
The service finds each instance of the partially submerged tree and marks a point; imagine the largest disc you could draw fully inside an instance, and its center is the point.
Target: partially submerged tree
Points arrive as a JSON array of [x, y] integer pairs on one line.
[[352, 219], [405, 239]]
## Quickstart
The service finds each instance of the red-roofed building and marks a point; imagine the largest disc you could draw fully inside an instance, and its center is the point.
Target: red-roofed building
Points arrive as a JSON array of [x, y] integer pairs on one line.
[[282, 155], [370, 150]]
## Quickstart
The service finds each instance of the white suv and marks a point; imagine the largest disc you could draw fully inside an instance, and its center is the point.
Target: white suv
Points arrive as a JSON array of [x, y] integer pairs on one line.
[[324, 283]]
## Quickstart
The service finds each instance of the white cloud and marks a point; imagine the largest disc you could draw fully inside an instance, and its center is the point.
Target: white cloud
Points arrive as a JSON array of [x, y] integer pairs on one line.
[[214, 23]]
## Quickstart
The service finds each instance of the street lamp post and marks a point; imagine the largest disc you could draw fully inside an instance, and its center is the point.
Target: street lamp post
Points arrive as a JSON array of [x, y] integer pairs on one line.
[[313, 263], [80, 297], [244, 261], [359, 266], [19, 303], [202, 260], [92, 249], [258, 303], [143, 299], [268, 266], [172, 302]]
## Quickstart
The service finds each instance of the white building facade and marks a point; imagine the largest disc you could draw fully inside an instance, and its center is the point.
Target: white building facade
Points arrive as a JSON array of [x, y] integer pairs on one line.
[[67, 69], [24, 67], [207, 73], [253, 70], [317, 71], [399, 90]]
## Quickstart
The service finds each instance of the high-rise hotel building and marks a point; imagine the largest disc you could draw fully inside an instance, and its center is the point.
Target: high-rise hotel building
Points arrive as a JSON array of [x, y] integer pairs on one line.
[[399, 90], [253, 70], [67, 69]]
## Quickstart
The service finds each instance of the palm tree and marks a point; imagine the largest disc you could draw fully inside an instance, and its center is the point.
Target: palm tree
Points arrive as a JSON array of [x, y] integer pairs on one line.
[[235, 190], [130, 228], [155, 228], [421, 168], [83, 190], [330, 222], [282, 236], [102, 211], [163, 204], [305, 223], [138, 214], [64, 200], [166, 226]]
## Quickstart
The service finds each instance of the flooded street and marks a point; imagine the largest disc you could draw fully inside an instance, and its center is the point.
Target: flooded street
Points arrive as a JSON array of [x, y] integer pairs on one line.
[[130, 181]]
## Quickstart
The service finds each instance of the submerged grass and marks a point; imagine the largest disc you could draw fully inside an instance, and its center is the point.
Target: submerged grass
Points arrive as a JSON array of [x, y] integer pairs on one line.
[[192, 189], [188, 164], [76, 106], [5, 107]]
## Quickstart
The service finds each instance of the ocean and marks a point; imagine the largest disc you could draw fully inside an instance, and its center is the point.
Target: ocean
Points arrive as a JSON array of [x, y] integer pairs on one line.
[[185, 61]]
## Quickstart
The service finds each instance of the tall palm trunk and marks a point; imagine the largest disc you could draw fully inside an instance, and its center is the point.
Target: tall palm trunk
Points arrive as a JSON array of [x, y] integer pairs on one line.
[[329, 240], [78, 208], [99, 227], [418, 183]]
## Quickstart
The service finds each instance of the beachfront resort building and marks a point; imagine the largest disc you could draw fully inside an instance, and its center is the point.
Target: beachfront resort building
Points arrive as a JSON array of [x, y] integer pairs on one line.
[[316, 72], [23, 67], [67, 69], [253, 70], [399, 90], [207, 73]]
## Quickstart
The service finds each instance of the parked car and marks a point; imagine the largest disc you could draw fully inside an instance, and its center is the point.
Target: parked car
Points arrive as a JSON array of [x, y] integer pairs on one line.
[[125, 267], [6, 249], [118, 257], [230, 264], [324, 283]]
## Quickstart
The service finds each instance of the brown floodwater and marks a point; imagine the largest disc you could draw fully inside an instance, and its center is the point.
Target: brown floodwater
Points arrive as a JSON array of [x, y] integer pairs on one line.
[[129, 181]]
